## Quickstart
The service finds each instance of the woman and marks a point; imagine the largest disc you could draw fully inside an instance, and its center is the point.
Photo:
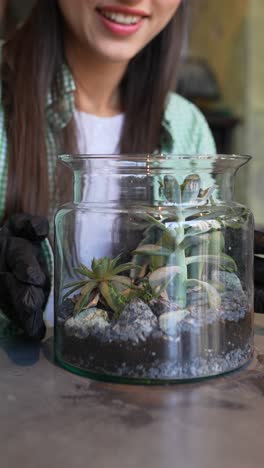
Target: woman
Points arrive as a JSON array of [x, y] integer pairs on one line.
[[88, 76]]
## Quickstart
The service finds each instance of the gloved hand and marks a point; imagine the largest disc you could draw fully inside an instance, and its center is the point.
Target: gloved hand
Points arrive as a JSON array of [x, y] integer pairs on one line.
[[259, 271], [24, 280]]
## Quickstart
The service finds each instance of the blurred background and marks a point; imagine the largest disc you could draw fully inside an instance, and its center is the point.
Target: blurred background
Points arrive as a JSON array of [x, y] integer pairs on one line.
[[223, 73]]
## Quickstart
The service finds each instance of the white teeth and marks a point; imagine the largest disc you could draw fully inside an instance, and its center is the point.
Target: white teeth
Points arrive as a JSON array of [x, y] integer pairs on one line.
[[121, 18]]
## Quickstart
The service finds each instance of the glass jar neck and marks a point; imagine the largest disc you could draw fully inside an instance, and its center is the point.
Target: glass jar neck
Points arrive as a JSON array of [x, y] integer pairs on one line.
[[153, 180]]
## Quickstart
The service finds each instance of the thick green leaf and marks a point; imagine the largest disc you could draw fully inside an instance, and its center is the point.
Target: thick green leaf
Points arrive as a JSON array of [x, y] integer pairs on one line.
[[94, 264], [169, 238], [86, 269], [142, 270], [85, 294], [198, 230], [214, 297], [171, 189], [120, 287], [115, 261], [106, 293], [192, 242], [190, 188], [161, 278], [217, 285], [154, 222], [100, 266], [207, 193], [88, 273], [88, 287], [152, 249], [104, 266], [72, 290], [222, 260], [122, 279], [75, 283], [216, 243], [205, 214]]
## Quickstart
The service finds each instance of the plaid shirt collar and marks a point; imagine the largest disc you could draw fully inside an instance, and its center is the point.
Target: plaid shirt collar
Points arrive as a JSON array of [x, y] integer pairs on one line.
[[59, 109]]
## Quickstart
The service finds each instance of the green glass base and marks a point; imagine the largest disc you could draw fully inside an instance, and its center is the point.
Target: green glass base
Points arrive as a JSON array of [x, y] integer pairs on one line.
[[141, 381]]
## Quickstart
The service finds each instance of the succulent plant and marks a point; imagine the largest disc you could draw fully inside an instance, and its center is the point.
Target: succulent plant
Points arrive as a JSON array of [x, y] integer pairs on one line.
[[171, 246], [102, 281], [171, 258]]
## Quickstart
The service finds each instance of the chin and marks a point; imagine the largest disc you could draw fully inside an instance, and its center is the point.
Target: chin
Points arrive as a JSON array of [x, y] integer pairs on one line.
[[116, 53]]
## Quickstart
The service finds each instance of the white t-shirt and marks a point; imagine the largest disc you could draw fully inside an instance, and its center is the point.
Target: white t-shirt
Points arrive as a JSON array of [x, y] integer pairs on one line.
[[98, 135]]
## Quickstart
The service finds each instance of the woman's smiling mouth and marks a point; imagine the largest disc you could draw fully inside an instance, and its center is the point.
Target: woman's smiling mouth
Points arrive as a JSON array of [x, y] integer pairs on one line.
[[121, 21]]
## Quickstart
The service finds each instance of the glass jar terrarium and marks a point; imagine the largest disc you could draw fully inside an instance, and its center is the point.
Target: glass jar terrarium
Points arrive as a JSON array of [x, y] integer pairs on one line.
[[153, 269]]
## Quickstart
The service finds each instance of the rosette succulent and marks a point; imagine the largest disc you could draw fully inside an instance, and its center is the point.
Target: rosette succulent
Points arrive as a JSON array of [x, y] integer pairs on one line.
[[102, 282]]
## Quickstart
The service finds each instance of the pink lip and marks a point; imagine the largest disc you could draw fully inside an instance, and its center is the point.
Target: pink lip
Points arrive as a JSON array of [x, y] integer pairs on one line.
[[125, 10], [120, 29]]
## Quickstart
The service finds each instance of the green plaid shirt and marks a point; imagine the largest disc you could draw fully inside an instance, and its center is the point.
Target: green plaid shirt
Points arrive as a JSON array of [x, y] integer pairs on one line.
[[185, 132]]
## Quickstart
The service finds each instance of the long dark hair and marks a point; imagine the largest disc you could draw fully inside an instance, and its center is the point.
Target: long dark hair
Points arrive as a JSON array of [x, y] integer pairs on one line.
[[32, 62]]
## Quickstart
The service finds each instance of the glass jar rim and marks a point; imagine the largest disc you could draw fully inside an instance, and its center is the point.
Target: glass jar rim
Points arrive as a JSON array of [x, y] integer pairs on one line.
[[145, 157]]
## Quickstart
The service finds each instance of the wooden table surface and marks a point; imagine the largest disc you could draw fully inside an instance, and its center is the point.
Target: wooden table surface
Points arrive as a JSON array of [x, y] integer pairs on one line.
[[51, 418]]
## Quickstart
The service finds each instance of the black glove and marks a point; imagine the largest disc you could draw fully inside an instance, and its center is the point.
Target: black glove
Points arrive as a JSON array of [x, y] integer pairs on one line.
[[259, 271], [24, 279]]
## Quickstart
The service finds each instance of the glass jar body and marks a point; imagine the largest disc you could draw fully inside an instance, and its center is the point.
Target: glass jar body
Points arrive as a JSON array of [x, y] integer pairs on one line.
[[154, 292]]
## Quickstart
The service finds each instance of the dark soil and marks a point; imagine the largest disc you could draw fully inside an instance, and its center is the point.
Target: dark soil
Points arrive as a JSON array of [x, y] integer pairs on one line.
[[209, 349]]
